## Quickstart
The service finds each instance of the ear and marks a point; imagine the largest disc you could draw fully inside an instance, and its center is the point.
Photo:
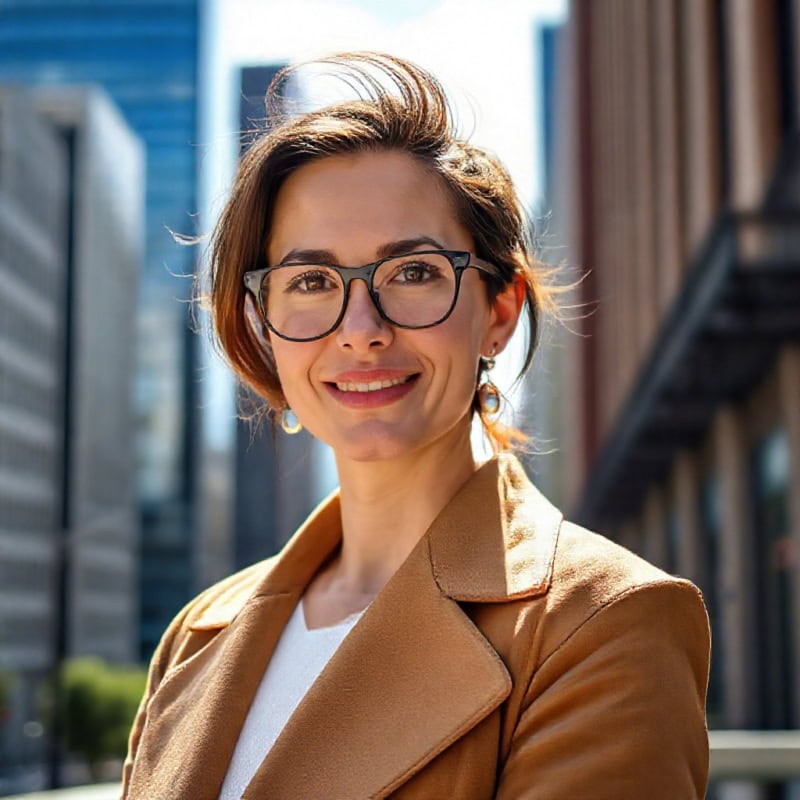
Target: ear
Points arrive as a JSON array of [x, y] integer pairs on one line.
[[504, 315]]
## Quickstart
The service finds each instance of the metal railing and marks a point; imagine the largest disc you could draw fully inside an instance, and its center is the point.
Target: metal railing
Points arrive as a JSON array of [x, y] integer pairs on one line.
[[755, 755], [735, 755]]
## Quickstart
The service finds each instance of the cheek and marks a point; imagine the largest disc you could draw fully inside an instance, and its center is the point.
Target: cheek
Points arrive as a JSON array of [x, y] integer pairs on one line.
[[455, 351], [466, 329], [293, 361]]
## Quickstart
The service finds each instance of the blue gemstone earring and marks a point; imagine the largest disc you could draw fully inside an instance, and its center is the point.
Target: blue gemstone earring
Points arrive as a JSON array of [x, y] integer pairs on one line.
[[488, 393], [289, 421]]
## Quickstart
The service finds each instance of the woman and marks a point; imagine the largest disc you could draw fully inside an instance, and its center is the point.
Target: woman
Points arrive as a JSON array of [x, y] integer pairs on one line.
[[435, 629]]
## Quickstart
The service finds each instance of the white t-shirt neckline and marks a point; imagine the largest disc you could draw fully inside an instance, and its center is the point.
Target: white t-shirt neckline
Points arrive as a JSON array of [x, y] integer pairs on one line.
[[299, 657], [346, 621]]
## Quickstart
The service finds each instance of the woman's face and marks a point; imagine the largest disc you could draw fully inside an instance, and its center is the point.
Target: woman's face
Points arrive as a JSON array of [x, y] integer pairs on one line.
[[353, 208]]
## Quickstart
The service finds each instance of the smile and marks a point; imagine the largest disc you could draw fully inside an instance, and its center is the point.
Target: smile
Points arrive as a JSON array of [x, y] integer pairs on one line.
[[372, 386], [365, 394]]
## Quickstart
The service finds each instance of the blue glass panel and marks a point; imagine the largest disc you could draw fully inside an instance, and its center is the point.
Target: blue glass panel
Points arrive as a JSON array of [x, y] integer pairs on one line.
[[167, 115], [109, 52], [132, 7], [774, 557]]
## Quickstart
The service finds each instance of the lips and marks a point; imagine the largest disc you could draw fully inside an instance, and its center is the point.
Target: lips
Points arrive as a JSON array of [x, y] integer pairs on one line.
[[371, 388]]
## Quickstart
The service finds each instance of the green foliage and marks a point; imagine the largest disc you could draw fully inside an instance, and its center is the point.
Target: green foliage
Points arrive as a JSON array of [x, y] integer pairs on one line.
[[99, 704]]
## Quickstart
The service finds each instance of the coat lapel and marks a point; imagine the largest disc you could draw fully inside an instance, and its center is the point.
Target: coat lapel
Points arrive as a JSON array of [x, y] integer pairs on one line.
[[412, 677]]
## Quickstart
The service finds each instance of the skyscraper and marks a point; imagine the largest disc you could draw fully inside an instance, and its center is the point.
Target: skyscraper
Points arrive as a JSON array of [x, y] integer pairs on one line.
[[145, 54], [33, 236], [71, 241]]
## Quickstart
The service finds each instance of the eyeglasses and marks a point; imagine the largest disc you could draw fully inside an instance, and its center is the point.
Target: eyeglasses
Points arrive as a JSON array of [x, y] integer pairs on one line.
[[303, 302]]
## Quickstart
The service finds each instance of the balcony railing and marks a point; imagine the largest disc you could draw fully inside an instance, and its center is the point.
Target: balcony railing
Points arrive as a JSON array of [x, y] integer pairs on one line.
[[755, 755], [735, 755]]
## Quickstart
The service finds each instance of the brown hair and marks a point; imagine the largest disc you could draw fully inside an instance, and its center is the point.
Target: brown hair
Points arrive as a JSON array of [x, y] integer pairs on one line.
[[398, 106]]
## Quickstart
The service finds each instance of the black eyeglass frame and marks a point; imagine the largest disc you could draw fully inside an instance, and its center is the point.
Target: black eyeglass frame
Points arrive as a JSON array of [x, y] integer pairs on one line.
[[460, 260]]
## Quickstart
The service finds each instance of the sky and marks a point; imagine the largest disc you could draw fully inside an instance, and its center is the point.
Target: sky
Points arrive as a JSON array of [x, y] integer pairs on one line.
[[485, 54]]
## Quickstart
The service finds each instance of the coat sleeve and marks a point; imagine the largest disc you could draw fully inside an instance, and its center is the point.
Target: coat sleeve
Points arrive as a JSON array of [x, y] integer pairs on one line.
[[159, 664], [617, 710], [184, 637]]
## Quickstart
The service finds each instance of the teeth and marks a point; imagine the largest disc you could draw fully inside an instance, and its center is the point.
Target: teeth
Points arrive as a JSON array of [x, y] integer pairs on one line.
[[372, 386]]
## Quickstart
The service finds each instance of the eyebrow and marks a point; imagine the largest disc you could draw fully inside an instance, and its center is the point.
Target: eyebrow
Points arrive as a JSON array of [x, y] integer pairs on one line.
[[300, 256]]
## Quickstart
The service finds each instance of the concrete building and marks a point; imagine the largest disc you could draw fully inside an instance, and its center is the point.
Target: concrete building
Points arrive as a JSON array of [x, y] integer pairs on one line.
[[146, 56], [679, 181], [34, 190], [105, 256], [71, 241]]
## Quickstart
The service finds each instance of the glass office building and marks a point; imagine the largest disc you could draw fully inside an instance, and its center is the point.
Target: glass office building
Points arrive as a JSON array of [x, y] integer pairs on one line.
[[145, 54]]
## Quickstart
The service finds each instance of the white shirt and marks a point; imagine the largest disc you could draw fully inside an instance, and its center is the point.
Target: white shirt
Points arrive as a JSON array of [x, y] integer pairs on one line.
[[299, 657]]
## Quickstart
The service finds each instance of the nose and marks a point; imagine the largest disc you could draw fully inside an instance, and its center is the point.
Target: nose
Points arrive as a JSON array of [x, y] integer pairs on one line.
[[362, 328]]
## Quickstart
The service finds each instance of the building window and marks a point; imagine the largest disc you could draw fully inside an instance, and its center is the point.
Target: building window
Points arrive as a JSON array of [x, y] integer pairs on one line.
[[710, 527], [774, 557], [672, 535]]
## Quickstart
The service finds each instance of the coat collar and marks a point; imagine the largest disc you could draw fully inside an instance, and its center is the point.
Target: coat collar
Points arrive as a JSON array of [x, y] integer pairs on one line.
[[496, 540], [414, 655], [493, 542]]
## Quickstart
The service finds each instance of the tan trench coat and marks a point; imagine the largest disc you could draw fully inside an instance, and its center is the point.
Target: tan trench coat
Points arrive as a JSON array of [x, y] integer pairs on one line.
[[512, 655]]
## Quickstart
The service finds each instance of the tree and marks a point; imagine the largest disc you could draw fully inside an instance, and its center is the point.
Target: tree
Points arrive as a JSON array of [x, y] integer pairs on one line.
[[99, 704]]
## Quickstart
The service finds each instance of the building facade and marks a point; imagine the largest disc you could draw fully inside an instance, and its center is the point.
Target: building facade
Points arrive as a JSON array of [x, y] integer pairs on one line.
[[105, 253], [71, 242], [33, 236], [678, 176], [145, 55]]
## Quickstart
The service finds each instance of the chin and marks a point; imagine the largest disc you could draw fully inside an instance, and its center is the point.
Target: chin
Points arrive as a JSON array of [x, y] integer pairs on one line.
[[376, 443]]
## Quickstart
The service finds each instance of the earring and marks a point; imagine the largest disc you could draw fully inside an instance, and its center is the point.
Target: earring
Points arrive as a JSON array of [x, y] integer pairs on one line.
[[488, 393], [289, 421]]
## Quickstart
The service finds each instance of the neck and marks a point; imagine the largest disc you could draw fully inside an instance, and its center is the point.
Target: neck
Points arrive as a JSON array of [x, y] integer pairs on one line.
[[387, 507]]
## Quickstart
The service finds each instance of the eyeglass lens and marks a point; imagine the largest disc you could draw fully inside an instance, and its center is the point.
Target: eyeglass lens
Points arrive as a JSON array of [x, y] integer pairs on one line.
[[305, 300]]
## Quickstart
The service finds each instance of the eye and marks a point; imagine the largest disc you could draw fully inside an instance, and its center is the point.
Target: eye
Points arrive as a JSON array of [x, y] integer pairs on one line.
[[311, 281], [415, 272]]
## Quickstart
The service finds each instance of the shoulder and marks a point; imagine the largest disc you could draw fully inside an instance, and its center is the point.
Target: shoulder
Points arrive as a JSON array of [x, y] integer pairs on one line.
[[588, 562], [218, 605], [542, 582], [208, 613], [503, 540], [575, 572], [599, 588], [612, 663]]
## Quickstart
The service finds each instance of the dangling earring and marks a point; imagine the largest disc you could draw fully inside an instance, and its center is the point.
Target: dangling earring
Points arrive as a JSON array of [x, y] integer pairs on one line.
[[289, 421], [488, 393]]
